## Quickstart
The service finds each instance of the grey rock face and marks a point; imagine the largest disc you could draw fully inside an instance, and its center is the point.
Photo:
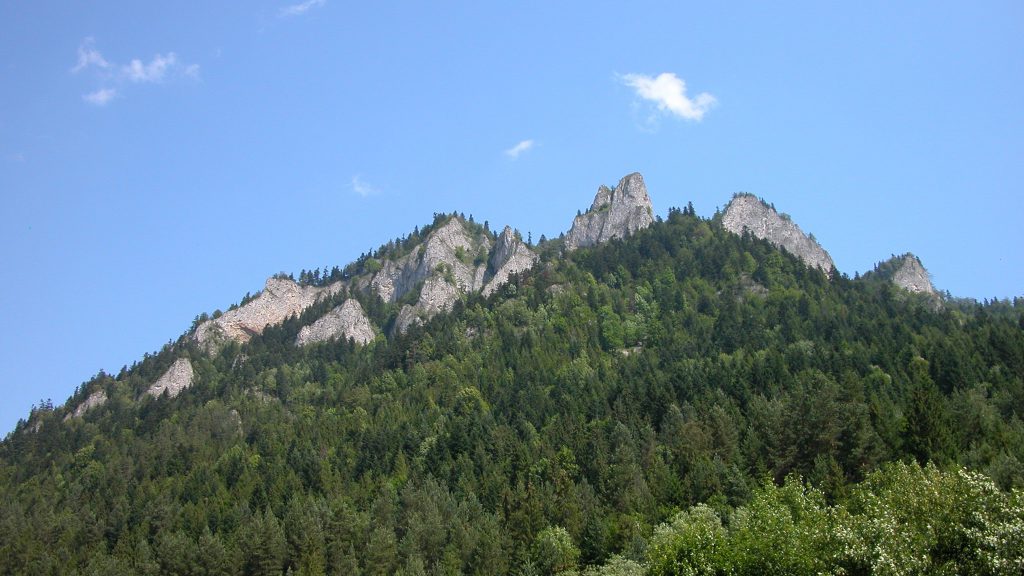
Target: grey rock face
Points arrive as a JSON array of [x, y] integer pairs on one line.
[[446, 263], [177, 378], [450, 246], [280, 299], [745, 212], [97, 398], [511, 256], [912, 276], [907, 272], [345, 321], [614, 214], [438, 295]]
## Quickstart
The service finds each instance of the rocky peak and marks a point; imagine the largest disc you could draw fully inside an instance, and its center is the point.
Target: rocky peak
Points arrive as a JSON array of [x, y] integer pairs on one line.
[[345, 321], [280, 298], [511, 256], [449, 262], [747, 212], [450, 247], [614, 214], [177, 378], [907, 272]]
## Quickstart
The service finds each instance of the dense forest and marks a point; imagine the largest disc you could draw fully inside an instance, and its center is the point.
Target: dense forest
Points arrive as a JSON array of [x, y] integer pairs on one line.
[[685, 401]]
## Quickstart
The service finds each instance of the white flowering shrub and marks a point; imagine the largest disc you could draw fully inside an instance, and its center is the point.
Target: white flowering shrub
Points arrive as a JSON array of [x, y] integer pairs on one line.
[[903, 519]]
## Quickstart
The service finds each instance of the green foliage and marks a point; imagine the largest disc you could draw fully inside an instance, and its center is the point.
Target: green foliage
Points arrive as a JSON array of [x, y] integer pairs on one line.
[[904, 519], [648, 404], [554, 551]]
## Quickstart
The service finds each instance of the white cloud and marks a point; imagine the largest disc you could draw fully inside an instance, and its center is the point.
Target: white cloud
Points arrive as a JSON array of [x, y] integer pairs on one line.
[[154, 71], [362, 187], [100, 97], [518, 149], [668, 91], [160, 68], [89, 56], [300, 8]]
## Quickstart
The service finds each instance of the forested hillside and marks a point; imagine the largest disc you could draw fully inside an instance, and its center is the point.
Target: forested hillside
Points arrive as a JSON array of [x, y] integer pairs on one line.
[[686, 400]]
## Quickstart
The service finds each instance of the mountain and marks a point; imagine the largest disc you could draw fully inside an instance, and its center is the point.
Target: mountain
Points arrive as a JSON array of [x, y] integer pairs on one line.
[[645, 395], [614, 213], [747, 213], [907, 272]]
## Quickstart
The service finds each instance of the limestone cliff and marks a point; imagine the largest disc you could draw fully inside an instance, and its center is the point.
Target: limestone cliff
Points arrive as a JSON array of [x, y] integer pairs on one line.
[[510, 256], [177, 378], [438, 295], [280, 299], [746, 212], [97, 398], [614, 214], [450, 246], [907, 272], [345, 321], [448, 263]]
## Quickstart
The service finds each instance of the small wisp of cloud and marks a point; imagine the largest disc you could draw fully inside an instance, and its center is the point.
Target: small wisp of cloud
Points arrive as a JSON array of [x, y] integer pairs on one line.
[[300, 8], [668, 92], [362, 187], [519, 148], [101, 97], [154, 71], [89, 56], [162, 67]]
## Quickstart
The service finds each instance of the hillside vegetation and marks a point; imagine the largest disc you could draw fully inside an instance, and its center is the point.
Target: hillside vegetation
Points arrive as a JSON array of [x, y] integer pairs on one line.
[[683, 401]]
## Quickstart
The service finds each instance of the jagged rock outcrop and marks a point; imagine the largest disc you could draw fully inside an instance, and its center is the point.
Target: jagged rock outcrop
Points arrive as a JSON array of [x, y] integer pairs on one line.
[[449, 263], [912, 276], [614, 214], [438, 295], [345, 321], [511, 256], [451, 247], [747, 212], [907, 272], [177, 378], [279, 299], [96, 399]]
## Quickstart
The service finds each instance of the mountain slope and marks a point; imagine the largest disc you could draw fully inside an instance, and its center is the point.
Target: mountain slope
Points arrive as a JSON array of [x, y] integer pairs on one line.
[[574, 410]]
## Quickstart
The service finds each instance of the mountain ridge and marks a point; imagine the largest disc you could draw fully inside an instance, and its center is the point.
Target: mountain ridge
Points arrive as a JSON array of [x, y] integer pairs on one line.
[[580, 416], [457, 257]]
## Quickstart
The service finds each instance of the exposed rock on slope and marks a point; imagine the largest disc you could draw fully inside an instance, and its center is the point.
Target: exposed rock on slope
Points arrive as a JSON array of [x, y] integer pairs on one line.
[[746, 212], [97, 398], [511, 256], [177, 378], [614, 214], [345, 321], [438, 295], [907, 272], [451, 245], [450, 262], [280, 299]]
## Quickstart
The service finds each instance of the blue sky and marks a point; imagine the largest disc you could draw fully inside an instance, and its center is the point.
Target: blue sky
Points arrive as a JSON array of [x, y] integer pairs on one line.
[[161, 161]]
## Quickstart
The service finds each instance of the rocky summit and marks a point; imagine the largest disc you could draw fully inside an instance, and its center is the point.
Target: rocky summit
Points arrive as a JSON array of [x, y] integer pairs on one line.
[[907, 272], [511, 256], [911, 275], [748, 213], [614, 214]]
